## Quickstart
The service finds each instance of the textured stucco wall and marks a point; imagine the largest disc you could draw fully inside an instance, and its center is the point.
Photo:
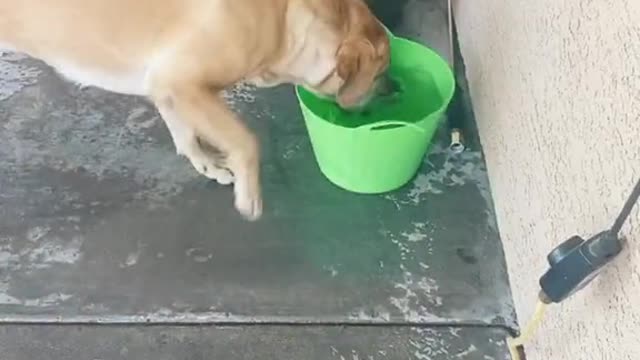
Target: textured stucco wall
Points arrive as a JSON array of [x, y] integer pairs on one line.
[[556, 91]]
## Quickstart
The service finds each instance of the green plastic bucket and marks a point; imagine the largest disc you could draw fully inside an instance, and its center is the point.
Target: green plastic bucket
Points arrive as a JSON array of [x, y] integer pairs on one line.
[[381, 149]]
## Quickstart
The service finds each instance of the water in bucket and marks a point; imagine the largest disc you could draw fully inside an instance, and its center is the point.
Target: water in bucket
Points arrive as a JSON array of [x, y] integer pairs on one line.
[[415, 95]]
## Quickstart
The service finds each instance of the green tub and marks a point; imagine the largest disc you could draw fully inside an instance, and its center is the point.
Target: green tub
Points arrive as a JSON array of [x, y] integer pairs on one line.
[[381, 149]]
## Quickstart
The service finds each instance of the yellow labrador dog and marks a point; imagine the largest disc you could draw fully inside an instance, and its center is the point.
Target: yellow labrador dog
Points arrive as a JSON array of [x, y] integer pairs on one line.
[[182, 53]]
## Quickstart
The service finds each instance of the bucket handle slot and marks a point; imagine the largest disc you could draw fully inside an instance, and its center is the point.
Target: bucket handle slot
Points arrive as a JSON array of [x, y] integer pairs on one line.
[[391, 124]]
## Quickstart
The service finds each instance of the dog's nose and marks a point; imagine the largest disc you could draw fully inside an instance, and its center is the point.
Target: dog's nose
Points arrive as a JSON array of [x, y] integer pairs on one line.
[[387, 86]]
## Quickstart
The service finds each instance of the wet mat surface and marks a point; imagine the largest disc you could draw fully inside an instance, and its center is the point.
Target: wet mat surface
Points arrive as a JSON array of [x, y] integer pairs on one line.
[[99, 219]]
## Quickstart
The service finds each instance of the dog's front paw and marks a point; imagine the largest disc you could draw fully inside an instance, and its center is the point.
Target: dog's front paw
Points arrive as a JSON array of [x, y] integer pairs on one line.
[[248, 201]]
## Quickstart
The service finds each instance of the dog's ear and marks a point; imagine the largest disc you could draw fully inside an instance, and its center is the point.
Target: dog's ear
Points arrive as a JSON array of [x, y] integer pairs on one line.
[[355, 66], [363, 54]]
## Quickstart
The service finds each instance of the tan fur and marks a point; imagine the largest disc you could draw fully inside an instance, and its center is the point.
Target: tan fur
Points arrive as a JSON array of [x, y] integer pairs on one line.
[[182, 53]]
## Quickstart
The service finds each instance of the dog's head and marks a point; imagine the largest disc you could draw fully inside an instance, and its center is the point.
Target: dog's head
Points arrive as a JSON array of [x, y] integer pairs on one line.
[[349, 64]]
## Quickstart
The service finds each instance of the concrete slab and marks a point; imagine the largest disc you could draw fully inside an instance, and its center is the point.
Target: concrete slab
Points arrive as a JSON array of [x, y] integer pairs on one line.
[[249, 343]]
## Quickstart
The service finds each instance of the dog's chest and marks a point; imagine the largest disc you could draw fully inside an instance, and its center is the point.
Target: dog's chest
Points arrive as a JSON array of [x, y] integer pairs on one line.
[[125, 82]]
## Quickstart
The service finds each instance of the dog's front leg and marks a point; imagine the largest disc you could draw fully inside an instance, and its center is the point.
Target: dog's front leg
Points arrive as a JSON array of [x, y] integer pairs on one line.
[[199, 107]]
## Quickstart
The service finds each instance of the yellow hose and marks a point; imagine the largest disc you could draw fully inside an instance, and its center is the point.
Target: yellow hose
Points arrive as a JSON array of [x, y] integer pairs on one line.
[[528, 331]]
